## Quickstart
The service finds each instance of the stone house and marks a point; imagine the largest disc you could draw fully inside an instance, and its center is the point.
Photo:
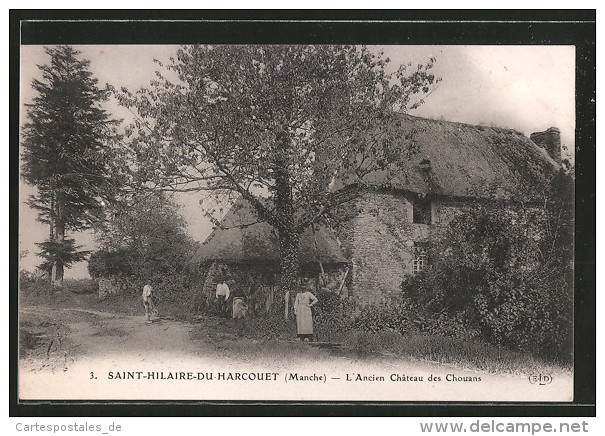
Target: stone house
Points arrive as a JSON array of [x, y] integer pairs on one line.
[[454, 166], [385, 233]]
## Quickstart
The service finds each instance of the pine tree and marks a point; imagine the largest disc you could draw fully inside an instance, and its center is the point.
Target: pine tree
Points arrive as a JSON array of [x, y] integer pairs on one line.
[[65, 154]]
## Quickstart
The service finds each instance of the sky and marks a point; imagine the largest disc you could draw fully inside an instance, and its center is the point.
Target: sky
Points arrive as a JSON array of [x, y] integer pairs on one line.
[[527, 88]]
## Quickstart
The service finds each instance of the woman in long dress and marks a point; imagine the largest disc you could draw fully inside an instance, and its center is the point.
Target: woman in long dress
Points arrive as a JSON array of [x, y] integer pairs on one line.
[[304, 318]]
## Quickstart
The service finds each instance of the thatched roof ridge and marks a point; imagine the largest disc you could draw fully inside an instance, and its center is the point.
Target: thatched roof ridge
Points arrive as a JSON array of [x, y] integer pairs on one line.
[[464, 160], [241, 237]]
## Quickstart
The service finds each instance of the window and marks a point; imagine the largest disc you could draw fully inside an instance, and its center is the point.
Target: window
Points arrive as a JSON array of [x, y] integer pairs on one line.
[[421, 211], [420, 257]]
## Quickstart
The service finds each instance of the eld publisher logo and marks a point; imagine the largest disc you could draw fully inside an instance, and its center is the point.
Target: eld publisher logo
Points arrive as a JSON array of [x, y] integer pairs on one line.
[[540, 379]]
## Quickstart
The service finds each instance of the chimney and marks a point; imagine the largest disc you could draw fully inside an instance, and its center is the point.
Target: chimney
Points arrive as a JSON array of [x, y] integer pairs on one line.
[[549, 140]]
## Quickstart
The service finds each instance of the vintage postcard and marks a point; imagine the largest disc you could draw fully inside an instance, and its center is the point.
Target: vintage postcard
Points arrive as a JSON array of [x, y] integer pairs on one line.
[[297, 222]]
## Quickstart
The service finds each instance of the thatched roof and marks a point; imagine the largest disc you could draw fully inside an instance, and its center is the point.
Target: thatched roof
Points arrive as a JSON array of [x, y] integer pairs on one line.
[[242, 238], [463, 160], [452, 159]]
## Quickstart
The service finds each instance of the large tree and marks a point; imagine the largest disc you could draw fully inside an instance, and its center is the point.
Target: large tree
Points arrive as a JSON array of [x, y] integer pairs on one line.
[[293, 129], [65, 153]]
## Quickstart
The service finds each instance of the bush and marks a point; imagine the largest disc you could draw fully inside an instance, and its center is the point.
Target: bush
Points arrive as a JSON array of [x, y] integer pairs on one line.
[[332, 317], [34, 284], [81, 286], [362, 343], [393, 316], [492, 277]]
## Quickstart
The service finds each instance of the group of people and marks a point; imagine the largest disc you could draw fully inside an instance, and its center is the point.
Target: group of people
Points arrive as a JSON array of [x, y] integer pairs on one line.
[[236, 307], [233, 304]]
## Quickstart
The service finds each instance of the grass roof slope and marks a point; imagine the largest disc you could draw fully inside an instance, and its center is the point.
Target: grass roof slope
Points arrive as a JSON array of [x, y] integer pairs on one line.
[[463, 160], [242, 238]]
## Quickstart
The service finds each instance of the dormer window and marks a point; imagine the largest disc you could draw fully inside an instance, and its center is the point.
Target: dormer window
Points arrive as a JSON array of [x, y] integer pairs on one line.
[[421, 211]]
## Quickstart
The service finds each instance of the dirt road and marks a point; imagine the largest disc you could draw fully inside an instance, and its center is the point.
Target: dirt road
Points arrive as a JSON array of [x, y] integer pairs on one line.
[[85, 355]]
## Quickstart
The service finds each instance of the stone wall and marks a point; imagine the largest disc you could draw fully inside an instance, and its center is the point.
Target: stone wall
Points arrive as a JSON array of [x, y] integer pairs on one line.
[[380, 240], [108, 287]]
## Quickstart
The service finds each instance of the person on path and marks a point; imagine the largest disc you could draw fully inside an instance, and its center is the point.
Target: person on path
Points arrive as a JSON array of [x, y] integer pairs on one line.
[[148, 302], [222, 295], [240, 306], [304, 318]]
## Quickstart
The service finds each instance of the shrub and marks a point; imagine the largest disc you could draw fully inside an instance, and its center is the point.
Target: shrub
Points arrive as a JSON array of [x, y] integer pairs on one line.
[[34, 284], [496, 275], [362, 343], [392, 316], [81, 286], [333, 317]]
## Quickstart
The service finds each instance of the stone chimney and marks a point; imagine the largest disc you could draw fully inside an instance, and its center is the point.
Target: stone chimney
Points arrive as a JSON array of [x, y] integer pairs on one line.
[[549, 140]]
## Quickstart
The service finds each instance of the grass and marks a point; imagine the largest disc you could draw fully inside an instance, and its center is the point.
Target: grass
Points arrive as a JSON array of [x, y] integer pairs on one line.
[[459, 352], [269, 338]]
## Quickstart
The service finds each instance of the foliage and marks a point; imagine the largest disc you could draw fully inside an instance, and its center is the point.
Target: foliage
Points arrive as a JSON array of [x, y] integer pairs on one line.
[[64, 252], [362, 343], [65, 153], [393, 316], [360, 335], [33, 283], [277, 125], [35, 289], [110, 263], [143, 238], [505, 273], [333, 317]]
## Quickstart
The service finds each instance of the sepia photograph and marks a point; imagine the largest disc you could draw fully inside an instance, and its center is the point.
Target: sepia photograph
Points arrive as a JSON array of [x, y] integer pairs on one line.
[[296, 222]]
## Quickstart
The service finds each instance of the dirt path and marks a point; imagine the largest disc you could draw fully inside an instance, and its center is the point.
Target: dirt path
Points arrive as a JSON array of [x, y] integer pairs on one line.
[[107, 336], [85, 354]]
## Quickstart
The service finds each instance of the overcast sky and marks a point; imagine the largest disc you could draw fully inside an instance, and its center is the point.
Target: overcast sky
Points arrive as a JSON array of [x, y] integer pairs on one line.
[[527, 88]]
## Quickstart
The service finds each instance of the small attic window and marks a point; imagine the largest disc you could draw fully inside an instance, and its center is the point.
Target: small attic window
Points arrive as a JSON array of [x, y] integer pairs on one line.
[[421, 211]]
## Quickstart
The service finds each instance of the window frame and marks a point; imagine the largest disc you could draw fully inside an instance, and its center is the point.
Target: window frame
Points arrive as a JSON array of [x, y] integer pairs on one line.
[[420, 258]]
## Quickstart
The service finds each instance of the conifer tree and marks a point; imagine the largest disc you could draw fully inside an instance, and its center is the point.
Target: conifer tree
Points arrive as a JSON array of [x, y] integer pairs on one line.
[[65, 154]]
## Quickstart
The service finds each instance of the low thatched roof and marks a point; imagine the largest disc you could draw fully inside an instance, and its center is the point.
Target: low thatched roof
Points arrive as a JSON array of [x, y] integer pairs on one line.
[[462, 160], [242, 238]]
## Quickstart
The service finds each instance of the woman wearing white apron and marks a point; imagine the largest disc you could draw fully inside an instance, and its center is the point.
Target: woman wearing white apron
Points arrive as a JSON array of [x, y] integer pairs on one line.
[[304, 318]]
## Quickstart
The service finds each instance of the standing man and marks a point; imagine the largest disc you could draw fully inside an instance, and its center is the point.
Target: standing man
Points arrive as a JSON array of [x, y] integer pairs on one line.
[[222, 295], [148, 302]]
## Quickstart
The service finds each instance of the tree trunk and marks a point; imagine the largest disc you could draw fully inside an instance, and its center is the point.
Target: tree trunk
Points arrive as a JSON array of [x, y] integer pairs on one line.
[[56, 279], [58, 267], [288, 237], [289, 265]]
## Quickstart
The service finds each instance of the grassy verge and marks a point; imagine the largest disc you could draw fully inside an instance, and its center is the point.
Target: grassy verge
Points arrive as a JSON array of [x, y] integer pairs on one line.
[[266, 335], [83, 294], [470, 353]]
